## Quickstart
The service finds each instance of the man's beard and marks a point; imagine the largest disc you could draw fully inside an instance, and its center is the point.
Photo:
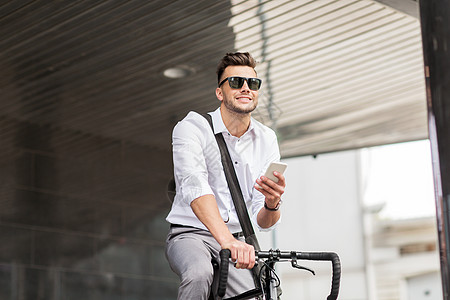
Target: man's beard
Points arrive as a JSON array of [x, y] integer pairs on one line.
[[232, 107]]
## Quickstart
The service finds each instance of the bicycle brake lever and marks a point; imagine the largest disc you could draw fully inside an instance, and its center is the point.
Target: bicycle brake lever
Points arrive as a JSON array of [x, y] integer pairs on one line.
[[296, 265]]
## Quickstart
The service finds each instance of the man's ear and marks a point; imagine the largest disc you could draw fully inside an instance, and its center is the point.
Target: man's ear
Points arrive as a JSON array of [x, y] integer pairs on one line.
[[219, 94]]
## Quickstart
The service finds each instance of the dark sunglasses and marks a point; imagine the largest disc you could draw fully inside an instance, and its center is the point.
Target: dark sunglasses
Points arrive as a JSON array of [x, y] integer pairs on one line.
[[237, 82]]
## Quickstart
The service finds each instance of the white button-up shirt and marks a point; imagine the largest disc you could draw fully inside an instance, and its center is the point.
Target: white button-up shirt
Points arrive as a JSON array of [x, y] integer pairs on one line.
[[198, 167]]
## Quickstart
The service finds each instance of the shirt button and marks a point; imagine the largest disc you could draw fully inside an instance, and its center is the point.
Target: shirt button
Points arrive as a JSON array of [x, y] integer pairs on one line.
[[236, 162]]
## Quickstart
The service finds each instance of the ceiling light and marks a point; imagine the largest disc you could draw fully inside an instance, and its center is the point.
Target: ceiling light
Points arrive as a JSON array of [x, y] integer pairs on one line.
[[176, 72]]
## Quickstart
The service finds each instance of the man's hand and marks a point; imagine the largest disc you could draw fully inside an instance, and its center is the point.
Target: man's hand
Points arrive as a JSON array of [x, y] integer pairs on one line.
[[270, 189], [206, 210], [241, 253]]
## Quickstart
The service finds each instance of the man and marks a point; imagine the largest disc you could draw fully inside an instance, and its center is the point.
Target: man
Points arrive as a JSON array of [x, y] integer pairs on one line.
[[203, 218]]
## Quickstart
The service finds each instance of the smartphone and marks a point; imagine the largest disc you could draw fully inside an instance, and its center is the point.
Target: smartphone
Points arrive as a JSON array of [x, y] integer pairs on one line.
[[275, 167]]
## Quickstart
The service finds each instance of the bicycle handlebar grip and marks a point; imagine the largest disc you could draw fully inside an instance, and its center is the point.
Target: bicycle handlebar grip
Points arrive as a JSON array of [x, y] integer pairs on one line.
[[223, 271], [336, 279], [336, 266]]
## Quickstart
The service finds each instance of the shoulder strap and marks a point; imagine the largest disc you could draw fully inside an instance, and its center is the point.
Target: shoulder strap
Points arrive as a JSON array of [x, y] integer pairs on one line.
[[235, 189]]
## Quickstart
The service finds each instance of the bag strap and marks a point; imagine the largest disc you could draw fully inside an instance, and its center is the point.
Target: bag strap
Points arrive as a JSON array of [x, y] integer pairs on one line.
[[235, 189]]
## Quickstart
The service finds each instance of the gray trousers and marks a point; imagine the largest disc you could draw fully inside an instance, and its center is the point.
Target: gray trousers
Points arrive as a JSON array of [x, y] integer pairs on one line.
[[190, 252]]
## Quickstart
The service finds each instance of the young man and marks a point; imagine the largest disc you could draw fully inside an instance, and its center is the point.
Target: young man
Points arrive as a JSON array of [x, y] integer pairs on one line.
[[203, 218]]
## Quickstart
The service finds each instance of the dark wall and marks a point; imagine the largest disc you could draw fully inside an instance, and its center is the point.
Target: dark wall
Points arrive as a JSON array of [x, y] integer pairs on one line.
[[81, 217]]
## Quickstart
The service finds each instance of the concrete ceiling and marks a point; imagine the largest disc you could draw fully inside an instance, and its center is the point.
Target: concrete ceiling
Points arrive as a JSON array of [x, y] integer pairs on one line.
[[336, 74]]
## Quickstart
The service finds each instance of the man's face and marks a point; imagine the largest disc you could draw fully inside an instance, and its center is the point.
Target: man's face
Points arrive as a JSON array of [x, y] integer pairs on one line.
[[242, 100]]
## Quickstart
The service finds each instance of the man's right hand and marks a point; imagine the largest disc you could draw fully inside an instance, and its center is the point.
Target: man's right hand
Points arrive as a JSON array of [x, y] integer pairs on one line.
[[241, 253], [206, 210]]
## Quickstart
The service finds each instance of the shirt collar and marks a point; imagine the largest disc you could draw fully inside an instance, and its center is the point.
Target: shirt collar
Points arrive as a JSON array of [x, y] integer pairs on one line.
[[219, 126]]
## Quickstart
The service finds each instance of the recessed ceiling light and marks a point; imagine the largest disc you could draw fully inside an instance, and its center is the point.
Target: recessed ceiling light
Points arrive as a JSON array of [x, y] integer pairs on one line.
[[176, 72]]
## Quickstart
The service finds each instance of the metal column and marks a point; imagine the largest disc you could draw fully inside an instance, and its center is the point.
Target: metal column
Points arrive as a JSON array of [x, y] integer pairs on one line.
[[435, 20]]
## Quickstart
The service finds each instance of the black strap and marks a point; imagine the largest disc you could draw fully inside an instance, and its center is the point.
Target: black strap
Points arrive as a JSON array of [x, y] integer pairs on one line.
[[235, 189]]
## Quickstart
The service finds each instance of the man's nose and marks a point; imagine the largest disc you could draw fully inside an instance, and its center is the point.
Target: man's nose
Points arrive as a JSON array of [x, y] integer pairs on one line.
[[245, 87]]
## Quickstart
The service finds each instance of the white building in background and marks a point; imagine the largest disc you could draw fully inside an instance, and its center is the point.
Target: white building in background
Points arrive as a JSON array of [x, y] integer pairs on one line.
[[387, 246], [403, 258]]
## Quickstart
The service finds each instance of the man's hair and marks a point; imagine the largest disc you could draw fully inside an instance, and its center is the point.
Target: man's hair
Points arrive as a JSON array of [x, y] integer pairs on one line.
[[234, 59]]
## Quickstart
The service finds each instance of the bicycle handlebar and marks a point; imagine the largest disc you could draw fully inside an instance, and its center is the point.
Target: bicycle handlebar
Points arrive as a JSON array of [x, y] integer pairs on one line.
[[276, 255], [225, 255]]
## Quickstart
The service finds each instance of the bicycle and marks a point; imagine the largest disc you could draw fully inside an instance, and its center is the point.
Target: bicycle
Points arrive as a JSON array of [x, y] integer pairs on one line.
[[269, 284]]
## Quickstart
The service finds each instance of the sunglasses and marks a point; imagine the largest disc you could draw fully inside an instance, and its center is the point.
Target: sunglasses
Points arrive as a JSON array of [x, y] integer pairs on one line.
[[237, 82]]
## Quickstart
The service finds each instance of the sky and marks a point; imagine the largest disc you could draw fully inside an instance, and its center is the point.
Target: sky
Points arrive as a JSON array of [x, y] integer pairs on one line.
[[400, 176]]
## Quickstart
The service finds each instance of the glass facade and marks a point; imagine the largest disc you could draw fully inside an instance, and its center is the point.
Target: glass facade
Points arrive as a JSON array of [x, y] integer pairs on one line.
[[80, 218]]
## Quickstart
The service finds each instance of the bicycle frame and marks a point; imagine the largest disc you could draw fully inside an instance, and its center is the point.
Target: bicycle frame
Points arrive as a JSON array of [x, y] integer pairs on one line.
[[269, 289]]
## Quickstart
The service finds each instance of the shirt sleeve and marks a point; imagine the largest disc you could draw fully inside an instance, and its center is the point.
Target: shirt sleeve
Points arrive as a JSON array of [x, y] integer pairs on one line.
[[273, 154], [190, 168]]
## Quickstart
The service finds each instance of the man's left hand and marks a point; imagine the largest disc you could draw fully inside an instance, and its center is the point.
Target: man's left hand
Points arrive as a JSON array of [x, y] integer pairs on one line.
[[270, 189]]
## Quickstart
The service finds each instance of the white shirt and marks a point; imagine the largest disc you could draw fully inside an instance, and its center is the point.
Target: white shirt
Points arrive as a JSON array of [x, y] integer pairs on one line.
[[198, 168]]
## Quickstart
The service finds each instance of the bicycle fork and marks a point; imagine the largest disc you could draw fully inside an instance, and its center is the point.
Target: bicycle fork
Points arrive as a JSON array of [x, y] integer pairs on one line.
[[271, 283]]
